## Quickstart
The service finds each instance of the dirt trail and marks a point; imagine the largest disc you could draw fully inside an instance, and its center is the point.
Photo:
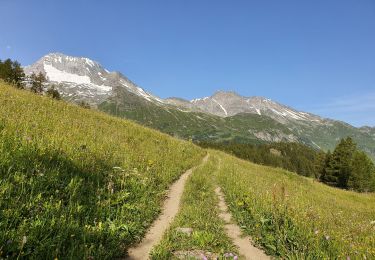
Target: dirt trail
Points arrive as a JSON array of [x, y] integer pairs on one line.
[[246, 249], [170, 208]]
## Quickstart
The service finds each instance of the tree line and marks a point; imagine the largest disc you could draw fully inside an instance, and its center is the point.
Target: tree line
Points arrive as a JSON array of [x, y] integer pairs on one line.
[[12, 73], [293, 157], [346, 167]]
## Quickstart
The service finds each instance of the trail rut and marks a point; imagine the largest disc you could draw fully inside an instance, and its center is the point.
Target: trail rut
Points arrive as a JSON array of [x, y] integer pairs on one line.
[[170, 208], [246, 249]]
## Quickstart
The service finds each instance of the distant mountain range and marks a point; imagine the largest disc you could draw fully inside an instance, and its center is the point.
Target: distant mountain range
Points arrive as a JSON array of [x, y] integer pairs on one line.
[[225, 116]]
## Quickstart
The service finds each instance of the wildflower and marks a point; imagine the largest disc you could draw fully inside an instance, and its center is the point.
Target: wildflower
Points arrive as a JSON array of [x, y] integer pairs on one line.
[[110, 187], [327, 237], [235, 257], [24, 240], [316, 232], [372, 222]]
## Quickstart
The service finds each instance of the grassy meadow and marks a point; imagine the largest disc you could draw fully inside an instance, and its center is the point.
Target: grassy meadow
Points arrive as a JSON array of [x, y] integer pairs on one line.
[[76, 183], [294, 217], [288, 216]]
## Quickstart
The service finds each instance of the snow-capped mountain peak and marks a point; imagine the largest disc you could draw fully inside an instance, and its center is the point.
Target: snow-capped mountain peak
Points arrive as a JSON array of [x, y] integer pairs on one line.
[[229, 103], [80, 78]]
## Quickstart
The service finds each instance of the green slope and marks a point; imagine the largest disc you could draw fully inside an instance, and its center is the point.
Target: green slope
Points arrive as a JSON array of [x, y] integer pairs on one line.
[[288, 216], [192, 125], [294, 217], [241, 128], [327, 136], [76, 183]]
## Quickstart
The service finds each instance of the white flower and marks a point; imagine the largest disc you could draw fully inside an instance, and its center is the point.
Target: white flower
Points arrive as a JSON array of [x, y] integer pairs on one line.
[[24, 240]]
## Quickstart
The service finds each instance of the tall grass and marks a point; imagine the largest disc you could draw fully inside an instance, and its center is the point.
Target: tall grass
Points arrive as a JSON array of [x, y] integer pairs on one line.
[[76, 183], [296, 217]]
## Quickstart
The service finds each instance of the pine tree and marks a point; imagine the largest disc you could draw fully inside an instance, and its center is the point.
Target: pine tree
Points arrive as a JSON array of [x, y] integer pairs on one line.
[[337, 170], [18, 75], [37, 81], [348, 168], [329, 171], [362, 176], [319, 164], [12, 72]]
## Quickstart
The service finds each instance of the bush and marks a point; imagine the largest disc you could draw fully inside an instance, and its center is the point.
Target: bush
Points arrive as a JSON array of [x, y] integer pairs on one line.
[[53, 93]]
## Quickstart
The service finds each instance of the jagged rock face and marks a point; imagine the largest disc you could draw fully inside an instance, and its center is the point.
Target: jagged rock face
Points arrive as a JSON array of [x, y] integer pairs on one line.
[[225, 113], [79, 78], [226, 104]]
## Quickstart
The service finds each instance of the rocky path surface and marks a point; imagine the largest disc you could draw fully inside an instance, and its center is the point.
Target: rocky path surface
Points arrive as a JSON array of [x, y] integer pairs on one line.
[[170, 208]]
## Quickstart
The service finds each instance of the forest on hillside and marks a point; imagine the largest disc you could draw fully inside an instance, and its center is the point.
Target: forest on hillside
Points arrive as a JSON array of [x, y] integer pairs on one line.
[[346, 167]]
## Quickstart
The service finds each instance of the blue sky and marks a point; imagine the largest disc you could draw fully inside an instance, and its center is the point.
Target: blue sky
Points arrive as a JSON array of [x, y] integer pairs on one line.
[[316, 56]]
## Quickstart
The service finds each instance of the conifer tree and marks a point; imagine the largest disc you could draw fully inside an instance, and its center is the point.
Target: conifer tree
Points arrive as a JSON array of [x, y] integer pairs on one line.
[[37, 81], [12, 72], [348, 168], [328, 174], [362, 176], [337, 171], [18, 75]]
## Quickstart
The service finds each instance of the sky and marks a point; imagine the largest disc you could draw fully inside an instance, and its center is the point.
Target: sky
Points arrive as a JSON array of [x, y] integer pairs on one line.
[[315, 56]]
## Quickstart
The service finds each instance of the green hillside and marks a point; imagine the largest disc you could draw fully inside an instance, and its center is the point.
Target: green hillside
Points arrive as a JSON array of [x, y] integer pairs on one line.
[[240, 128], [193, 125], [288, 216], [77, 183], [294, 217]]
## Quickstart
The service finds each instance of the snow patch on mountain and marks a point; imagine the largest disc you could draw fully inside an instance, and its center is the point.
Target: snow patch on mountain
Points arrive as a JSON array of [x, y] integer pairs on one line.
[[56, 75], [225, 111], [80, 78]]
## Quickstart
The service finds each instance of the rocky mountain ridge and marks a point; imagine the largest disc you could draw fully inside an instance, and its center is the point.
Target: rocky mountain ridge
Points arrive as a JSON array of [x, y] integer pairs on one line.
[[79, 78], [225, 116]]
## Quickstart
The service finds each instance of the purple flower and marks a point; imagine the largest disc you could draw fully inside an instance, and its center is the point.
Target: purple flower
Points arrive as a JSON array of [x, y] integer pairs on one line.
[[204, 257]]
